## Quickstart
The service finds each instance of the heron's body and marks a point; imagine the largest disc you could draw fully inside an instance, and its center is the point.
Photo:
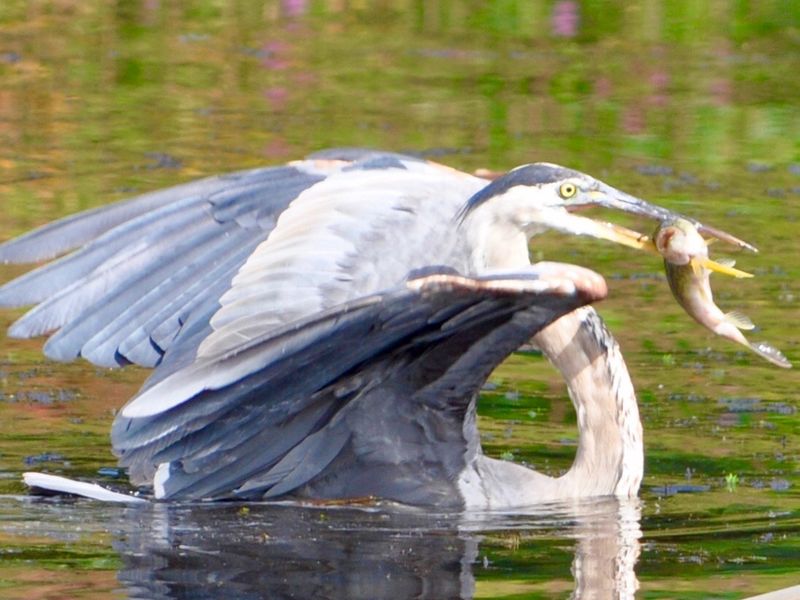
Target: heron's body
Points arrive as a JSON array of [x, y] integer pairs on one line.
[[323, 329]]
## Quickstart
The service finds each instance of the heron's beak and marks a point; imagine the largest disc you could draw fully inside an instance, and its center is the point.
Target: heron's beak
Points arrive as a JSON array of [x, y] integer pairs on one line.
[[576, 224], [609, 197]]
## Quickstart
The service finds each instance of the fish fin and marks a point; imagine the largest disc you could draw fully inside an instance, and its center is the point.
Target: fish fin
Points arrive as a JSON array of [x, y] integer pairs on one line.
[[771, 353], [741, 321], [719, 267], [697, 267], [710, 241]]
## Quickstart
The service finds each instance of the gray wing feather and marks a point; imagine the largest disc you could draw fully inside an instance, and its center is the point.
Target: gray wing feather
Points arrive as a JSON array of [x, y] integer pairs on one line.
[[147, 343], [115, 291], [136, 305], [76, 230], [304, 462], [272, 449], [141, 260], [353, 234], [244, 201], [316, 405], [108, 251], [103, 296]]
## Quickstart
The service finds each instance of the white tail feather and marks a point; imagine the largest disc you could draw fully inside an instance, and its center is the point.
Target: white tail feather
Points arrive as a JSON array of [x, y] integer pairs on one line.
[[54, 483]]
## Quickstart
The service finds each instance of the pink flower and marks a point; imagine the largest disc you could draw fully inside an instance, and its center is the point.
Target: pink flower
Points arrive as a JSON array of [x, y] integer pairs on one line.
[[566, 18], [294, 8], [277, 97]]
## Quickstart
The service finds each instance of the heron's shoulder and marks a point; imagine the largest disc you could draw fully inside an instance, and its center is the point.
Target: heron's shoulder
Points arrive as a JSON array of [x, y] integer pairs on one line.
[[359, 230]]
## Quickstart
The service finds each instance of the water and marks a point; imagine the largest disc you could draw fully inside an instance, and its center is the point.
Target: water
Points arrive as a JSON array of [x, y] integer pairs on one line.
[[691, 104], [597, 549], [206, 551]]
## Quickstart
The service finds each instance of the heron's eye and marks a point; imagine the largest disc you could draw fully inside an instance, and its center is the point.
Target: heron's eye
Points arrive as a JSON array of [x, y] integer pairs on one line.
[[567, 190]]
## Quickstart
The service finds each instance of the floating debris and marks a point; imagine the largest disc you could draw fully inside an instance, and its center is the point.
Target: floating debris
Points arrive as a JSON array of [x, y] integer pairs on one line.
[[755, 167], [113, 472], [652, 170], [779, 485], [44, 397], [755, 405], [679, 488], [37, 459]]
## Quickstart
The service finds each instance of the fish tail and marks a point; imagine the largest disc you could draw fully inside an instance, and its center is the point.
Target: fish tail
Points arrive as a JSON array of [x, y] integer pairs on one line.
[[770, 353]]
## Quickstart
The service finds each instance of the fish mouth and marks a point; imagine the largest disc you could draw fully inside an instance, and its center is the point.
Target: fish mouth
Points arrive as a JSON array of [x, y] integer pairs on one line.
[[608, 197]]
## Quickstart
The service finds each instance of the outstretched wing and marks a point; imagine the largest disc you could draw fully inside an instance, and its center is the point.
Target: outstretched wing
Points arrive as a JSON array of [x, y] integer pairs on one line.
[[151, 273], [372, 397]]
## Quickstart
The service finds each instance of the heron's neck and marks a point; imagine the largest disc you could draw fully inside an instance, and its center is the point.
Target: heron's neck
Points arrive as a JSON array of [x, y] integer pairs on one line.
[[496, 242], [610, 456]]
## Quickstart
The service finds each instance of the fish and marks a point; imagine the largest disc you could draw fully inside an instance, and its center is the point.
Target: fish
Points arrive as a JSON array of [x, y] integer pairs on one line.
[[688, 269]]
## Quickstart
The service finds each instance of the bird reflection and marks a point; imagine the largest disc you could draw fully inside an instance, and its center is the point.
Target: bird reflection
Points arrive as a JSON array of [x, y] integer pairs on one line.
[[290, 551], [607, 551], [294, 552]]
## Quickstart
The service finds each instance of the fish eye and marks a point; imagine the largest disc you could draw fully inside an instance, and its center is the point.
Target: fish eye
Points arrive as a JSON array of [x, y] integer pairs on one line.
[[567, 190]]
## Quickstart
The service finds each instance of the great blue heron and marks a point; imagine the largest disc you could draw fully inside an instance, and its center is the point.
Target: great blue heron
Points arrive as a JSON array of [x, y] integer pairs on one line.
[[321, 329]]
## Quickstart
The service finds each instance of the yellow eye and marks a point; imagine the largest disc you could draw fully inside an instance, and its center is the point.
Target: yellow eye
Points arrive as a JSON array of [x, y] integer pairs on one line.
[[567, 190]]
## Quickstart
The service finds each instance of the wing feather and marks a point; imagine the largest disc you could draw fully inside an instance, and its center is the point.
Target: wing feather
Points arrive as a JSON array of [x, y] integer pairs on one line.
[[338, 225], [76, 230], [114, 291], [109, 250], [139, 302], [357, 232], [130, 278], [280, 412], [147, 343]]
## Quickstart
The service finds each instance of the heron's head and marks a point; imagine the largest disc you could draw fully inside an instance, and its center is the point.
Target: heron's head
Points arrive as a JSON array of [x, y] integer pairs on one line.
[[543, 195]]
